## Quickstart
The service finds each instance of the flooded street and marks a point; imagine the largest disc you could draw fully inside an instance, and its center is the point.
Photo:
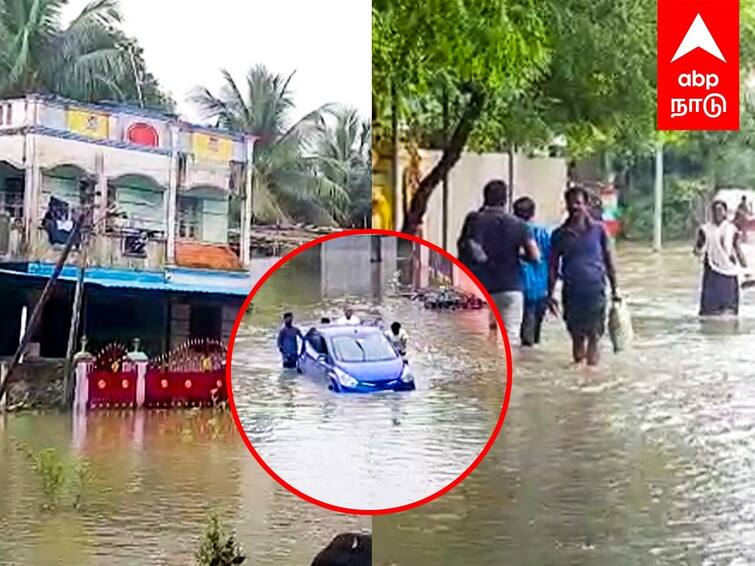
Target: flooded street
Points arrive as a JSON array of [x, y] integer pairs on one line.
[[377, 450], [649, 460], [156, 477]]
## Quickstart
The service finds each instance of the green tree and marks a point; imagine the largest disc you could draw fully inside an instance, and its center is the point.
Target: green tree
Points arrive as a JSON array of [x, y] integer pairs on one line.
[[342, 150], [590, 77], [218, 548], [480, 48], [287, 183], [90, 59]]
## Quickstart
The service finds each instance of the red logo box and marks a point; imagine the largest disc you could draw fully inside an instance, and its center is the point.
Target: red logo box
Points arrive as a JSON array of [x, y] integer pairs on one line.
[[698, 64]]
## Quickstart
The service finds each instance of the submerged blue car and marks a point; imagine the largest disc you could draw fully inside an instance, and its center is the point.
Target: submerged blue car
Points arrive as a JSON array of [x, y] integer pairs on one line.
[[354, 359]]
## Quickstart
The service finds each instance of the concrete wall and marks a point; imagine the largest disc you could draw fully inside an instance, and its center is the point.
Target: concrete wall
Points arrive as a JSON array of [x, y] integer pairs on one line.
[[543, 179], [348, 269], [55, 152], [37, 384], [12, 150]]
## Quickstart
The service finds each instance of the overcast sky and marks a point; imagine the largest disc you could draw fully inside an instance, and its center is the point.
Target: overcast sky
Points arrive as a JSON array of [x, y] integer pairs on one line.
[[186, 42]]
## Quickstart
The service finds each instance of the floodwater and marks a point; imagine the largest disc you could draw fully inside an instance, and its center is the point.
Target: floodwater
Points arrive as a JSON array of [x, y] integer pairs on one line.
[[367, 451], [156, 477], [648, 460]]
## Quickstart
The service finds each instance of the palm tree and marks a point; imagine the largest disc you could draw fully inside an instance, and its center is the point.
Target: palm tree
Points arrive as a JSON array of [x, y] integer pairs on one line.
[[90, 59], [288, 185], [342, 151]]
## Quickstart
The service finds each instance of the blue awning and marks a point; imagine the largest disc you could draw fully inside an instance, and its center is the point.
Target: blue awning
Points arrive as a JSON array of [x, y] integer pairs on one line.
[[170, 280]]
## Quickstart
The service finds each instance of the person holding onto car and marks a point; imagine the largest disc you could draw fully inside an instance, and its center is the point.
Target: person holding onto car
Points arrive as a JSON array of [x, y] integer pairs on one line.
[[288, 341], [398, 338], [316, 340]]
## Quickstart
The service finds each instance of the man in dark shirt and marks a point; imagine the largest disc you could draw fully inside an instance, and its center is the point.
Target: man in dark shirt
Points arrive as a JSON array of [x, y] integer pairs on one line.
[[288, 341], [580, 248], [316, 340], [504, 239]]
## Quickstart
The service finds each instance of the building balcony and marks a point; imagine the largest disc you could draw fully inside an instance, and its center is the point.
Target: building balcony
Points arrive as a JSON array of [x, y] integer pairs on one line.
[[170, 182], [122, 249]]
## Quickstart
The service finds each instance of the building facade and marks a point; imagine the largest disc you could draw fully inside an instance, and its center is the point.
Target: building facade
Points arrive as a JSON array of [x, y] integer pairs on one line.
[[169, 256]]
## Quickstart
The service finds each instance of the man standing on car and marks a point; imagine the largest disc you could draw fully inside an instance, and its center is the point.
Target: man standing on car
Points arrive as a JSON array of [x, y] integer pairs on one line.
[[581, 249], [491, 244]]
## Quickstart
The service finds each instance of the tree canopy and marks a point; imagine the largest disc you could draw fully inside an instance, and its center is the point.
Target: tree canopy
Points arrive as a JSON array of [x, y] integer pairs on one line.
[[304, 170], [582, 69], [89, 59], [476, 48]]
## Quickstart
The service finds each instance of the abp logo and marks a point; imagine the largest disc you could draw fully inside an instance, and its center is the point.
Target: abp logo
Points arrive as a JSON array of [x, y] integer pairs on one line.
[[698, 65]]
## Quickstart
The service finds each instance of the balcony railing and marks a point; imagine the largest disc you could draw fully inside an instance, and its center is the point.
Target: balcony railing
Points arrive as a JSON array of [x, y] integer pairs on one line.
[[129, 249]]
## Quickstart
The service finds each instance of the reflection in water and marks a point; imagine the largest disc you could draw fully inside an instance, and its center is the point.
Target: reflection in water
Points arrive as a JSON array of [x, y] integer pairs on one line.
[[648, 460], [366, 451], [157, 476]]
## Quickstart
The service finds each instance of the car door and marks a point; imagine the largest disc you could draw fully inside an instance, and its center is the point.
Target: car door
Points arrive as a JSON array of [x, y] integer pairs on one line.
[[323, 364], [312, 365]]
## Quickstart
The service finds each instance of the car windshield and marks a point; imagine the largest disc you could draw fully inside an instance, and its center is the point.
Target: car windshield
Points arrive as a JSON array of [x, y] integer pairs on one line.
[[370, 348]]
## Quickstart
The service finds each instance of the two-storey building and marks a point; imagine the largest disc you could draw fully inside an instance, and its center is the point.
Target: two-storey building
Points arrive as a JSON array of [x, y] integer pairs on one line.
[[168, 259]]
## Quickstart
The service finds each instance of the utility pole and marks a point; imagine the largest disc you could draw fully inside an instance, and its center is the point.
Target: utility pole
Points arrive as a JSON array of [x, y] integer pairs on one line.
[[658, 210], [510, 196], [445, 176], [86, 187], [397, 190], [247, 208]]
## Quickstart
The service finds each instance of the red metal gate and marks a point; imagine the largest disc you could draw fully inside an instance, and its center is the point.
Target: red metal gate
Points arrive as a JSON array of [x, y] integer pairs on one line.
[[189, 376]]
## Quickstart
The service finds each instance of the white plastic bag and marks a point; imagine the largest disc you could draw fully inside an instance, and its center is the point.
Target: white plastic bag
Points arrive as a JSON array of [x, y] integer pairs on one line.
[[620, 326]]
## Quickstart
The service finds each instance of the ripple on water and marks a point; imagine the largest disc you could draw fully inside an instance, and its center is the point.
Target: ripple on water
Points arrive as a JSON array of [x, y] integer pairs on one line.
[[149, 499], [649, 460]]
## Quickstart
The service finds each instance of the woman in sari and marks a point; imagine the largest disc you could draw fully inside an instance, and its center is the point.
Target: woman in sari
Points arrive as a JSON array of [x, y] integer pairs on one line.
[[718, 243]]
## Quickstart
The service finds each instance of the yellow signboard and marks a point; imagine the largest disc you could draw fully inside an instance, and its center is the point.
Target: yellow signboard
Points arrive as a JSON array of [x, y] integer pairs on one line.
[[89, 124], [207, 147]]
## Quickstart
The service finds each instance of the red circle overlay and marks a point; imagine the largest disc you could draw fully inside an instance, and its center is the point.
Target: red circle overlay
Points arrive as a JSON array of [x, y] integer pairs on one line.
[[270, 471]]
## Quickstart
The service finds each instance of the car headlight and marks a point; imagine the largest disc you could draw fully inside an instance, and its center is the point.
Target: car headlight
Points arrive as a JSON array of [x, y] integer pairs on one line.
[[406, 375], [345, 379]]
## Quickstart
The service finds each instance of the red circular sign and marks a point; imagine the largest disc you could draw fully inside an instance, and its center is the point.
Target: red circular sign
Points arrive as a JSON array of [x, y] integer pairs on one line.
[[229, 358]]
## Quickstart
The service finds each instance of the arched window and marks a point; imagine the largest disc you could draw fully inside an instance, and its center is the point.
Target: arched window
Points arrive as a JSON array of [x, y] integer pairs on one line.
[[142, 134]]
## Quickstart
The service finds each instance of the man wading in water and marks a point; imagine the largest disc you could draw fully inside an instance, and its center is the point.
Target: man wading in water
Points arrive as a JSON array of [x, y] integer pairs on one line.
[[491, 244], [288, 341], [534, 275], [718, 242], [580, 248]]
